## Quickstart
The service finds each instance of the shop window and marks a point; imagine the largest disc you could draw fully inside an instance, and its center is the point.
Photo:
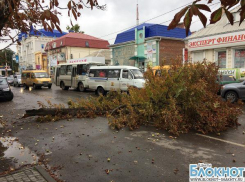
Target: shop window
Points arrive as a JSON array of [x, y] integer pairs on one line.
[[198, 57], [221, 59], [239, 60]]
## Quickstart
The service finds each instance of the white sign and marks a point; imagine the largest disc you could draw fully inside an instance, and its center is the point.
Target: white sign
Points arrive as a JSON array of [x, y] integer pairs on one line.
[[217, 41], [53, 60], [88, 60]]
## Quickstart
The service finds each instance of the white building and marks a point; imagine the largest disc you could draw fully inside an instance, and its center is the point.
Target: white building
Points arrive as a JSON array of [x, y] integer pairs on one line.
[[221, 43], [34, 42]]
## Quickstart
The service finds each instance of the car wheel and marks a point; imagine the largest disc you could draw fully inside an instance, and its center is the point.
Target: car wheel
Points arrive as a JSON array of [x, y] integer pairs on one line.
[[34, 86], [100, 91], [81, 87], [231, 96], [14, 84], [49, 86], [63, 86], [26, 87], [18, 85], [10, 97]]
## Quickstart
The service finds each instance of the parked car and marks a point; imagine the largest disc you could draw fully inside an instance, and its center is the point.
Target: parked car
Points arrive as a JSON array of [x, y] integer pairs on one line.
[[10, 80], [226, 79], [5, 90], [17, 80], [233, 91]]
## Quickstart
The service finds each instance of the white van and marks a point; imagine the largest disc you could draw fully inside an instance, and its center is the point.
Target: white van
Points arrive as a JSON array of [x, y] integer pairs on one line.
[[105, 78]]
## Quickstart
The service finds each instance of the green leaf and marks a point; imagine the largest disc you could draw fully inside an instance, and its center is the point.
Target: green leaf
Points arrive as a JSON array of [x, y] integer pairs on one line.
[[187, 21], [229, 16], [216, 15], [203, 7], [203, 18], [177, 18]]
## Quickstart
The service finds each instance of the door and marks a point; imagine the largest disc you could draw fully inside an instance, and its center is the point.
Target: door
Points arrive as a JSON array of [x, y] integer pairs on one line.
[[126, 80], [28, 79], [73, 78], [57, 76], [242, 91], [113, 82]]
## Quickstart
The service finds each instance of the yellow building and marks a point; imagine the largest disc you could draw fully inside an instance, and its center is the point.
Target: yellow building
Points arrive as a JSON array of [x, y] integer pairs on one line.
[[41, 61]]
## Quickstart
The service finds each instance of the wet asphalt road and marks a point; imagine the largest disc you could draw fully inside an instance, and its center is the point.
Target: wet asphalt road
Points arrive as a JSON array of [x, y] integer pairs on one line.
[[82, 146]]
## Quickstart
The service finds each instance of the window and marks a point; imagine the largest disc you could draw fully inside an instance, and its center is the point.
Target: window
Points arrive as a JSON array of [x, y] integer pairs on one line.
[[239, 61], [221, 59], [198, 56], [126, 74], [113, 73], [24, 75], [82, 69], [71, 56], [86, 44], [28, 75], [98, 73], [32, 75], [68, 70], [63, 70]]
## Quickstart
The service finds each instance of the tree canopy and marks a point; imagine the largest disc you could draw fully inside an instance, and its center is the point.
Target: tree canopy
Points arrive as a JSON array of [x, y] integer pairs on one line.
[[75, 28], [21, 15], [195, 10]]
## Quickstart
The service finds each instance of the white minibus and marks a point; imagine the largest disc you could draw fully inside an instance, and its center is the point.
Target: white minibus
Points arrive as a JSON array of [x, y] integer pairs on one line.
[[72, 75], [105, 78]]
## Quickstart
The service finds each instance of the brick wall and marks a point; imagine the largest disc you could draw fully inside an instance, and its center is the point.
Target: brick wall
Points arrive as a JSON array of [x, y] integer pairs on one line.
[[170, 49]]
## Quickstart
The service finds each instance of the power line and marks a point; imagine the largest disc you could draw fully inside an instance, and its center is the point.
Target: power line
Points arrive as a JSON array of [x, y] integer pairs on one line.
[[165, 21], [147, 20]]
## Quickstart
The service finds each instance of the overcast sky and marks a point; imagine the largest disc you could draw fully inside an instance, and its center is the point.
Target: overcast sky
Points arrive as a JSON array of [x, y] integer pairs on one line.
[[121, 15]]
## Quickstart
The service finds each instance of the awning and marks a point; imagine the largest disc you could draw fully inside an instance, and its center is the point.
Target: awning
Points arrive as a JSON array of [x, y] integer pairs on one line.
[[139, 58]]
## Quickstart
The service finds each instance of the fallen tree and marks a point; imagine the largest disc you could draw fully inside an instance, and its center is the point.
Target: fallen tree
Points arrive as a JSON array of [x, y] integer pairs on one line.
[[182, 99]]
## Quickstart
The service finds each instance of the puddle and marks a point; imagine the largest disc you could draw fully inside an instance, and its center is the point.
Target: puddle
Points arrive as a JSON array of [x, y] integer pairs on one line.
[[14, 155]]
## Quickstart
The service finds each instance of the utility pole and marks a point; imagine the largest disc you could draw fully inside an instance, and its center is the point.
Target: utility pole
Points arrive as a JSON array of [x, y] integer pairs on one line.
[[137, 14]]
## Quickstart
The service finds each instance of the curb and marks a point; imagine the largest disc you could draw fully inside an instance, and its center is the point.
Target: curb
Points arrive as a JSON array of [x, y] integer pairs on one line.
[[44, 174]]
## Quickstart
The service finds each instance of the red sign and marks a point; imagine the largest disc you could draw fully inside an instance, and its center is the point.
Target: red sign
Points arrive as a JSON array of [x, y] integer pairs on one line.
[[78, 61]]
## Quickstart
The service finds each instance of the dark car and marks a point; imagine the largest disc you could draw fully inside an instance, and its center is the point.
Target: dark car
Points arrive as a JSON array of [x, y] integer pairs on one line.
[[10, 80], [233, 91], [5, 91]]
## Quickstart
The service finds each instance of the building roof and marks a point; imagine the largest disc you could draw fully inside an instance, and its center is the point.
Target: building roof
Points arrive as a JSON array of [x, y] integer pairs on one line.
[[221, 27], [151, 30], [41, 32], [106, 53], [77, 40]]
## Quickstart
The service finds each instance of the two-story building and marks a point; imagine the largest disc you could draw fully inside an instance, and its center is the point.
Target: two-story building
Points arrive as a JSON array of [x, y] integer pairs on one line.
[[148, 44], [73, 46]]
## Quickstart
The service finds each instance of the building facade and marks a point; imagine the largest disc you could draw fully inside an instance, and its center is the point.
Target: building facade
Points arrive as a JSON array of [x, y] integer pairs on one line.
[[73, 46], [148, 44], [41, 61], [32, 43], [221, 43]]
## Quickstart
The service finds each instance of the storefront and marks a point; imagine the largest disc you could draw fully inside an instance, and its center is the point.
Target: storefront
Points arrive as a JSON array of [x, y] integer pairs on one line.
[[221, 43]]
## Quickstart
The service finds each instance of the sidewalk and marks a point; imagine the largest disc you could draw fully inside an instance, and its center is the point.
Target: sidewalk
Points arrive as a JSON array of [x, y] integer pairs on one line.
[[34, 174]]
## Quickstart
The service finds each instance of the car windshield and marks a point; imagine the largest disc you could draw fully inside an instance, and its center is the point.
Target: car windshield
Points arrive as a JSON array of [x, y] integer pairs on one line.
[[228, 78], [3, 81], [19, 77], [41, 75], [137, 74]]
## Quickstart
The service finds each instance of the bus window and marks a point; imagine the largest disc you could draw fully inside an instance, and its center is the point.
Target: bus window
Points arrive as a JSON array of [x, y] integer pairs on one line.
[[62, 70], [82, 69], [68, 70], [113, 73]]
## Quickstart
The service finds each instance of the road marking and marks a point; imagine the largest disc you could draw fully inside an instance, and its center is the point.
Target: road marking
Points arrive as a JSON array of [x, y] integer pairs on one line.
[[221, 140]]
